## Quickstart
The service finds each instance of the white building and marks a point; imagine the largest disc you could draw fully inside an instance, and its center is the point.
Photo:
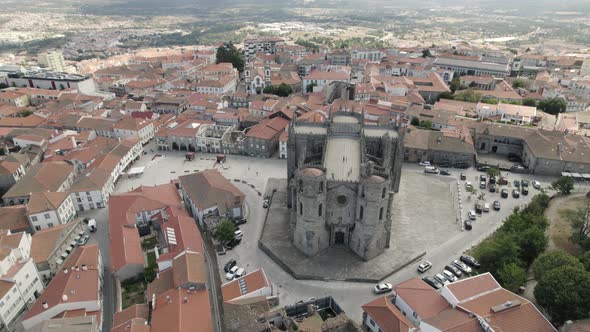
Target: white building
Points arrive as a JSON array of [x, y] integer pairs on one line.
[[20, 283], [140, 129], [76, 288], [53, 61], [48, 209], [283, 144], [52, 81], [507, 112], [323, 78]]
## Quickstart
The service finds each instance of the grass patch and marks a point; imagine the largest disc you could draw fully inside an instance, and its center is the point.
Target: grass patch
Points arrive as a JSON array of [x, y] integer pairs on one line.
[[132, 293], [151, 258], [149, 243]]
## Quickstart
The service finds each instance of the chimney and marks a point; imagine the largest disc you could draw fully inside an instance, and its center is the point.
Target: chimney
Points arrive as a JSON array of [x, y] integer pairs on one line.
[[73, 141], [64, 298], [65, 271], [168, 300], [84, 268], [186, 299], [45, 305]]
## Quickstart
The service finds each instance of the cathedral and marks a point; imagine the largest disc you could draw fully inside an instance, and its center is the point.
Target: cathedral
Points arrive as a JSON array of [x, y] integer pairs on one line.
[[343, 175]]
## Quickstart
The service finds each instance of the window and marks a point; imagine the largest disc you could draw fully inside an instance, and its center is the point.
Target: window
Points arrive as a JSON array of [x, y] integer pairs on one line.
[[1, 304], [47, 216], [321, 187], [7, 297], [49, 224], [372, 322], [381, 213], [27, 276], [34, 218], [320, 210], [300, 208], [14, 290], [79, 200], [89, 198], [415, 314], [88, 193], [38, 228], [383, 193], [361, 212]]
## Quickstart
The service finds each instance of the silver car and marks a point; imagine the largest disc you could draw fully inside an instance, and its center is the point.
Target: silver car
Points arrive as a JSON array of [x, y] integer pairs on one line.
[[450, 276], [462, 266]]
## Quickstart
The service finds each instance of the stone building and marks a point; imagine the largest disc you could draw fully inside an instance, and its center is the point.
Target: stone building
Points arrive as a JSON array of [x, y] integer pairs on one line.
[[343, 175]]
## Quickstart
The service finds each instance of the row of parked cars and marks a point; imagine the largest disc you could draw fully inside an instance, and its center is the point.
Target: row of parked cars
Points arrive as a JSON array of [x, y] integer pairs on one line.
[[451, 273], [232, 270]]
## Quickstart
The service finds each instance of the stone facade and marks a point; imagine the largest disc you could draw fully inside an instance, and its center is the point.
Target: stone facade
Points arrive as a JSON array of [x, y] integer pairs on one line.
[[342, 179]]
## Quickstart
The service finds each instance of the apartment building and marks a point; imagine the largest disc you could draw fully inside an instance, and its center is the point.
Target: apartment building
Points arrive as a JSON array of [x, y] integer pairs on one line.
[[49, 209], [265, 45]]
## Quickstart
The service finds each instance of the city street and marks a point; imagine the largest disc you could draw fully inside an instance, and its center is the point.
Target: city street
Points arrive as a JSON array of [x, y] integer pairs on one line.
[[256, 171]]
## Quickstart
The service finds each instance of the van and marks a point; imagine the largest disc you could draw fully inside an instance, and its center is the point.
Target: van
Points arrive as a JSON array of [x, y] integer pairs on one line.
[[431, 170], [92, 225]]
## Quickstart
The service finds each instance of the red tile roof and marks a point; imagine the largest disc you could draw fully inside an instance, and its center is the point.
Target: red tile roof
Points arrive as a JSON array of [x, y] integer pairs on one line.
[[471, 287], [253, 282], [387, 316], [181, 310], [423, 299]]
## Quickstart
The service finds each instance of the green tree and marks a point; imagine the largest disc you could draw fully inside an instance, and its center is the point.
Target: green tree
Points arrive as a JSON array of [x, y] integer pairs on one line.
[[3, 86], [284, 90], [563, 185], [309, 87], [511, 276], [225, 230], [426, 124], [585, 260], [455, 83], [580, 220], [445, 95], [469, 95], [564, 293], [552, 260], [493, 172], [24, 114], [493, 255], [270, 89], [149, 272], [518, 83], [426, 53], [532, 242], [229, 53], [489, 100], [552, 105], [529, 102], [415, 121]]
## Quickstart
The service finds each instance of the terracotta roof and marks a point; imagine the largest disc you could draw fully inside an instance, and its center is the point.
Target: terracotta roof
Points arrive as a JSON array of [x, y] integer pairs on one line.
[[41, 177], [163, 282], [423, 299], [209, 188], [29, 121], [268, 129], [328, 75], [45, 241], [468, 288], [79, 285], [181, 310], [189, 268], [387, 315], [249, 283], [14, 218], [45, 201], [134, 312], [455, 320]]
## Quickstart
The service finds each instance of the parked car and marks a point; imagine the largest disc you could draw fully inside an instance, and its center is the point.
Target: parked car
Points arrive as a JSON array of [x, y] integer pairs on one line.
[[462, 165], [424, 163], [92, 225], [430, 170], [441, 278], [515, 193], [483, 178], [492, 188], [462, 266], [492, 180], [478, 208], [468, 185], [230, 274], [502, 181], [482, 185], [524, 191], [471, 215], [483, 168], [382, 288], [470, 261], [517, 183], [536, 184], [444, 164], [486, 207], [524, 183], [453, 269], [424, 266], [449, 275], [432, 282], [504, 193], [463, 176], [467, 224], [240, 273], [240, 221], [83, 240], [496, 205], [231, 244], [238, 234], [265, 203], [444, 172], [231, 263]]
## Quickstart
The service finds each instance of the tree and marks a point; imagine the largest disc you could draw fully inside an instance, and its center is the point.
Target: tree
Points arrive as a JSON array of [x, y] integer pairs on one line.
[[229, 53], [580, 220], [552, 105], [518, 83], [426, 53], [512, 276], [563, 185], [493, 255], [445, 95], [469, 95], [309, 87], [585, 260], [529, 102], [552, 260], [532, 242], [24, 114], [564, 293], [493, 172], [284, 90], [490, 100], [3, 86], [426, 124], [455, 83], [225, 230], [415, 121]]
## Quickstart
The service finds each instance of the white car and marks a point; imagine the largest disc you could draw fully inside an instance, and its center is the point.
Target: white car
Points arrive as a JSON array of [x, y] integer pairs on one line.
[[471, 214], [536, 184], [486, 207], [462, 266], [238, 234], [468, 185], [382, 288], [424, 266], [230, 274], [450, 276], [240, 273], [440, 278], [424, 163]]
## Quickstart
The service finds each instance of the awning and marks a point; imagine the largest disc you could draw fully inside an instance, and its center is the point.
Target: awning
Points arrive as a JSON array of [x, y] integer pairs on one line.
[[64, 254], [59, 261], [73, 244], [566, 174], [71, 247], [586, 176]]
